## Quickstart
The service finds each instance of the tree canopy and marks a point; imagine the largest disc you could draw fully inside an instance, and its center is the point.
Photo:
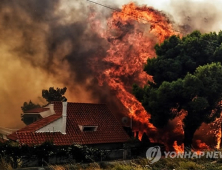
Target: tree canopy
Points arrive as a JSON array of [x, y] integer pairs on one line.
[[54, 94], [187, 76], [29, 105], [49, 95]]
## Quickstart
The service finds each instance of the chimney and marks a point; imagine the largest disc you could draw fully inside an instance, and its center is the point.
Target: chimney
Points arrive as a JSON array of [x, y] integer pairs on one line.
[[64, 117], [51, 107]]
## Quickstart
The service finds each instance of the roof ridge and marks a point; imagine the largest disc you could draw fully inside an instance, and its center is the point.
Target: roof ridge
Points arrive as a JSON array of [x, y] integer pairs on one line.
[[36, 124], [36, 110], [81, 103]]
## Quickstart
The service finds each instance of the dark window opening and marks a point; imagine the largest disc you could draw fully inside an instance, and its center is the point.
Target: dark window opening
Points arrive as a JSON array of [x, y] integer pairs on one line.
[[89, 128]]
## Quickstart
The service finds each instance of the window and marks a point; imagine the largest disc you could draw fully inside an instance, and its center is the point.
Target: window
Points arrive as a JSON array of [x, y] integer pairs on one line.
[[88, 128]]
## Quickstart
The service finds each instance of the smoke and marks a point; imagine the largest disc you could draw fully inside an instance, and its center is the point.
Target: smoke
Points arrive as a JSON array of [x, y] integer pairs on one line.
[[197, 15], [42, 44], [51, 43]]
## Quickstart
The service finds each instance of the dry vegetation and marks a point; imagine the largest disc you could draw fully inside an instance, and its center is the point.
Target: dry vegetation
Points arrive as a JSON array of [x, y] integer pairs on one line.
[[137, 164], [142, 164]]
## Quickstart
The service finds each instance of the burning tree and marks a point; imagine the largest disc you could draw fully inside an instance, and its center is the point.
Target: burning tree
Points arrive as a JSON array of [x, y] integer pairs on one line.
[[187, 78]]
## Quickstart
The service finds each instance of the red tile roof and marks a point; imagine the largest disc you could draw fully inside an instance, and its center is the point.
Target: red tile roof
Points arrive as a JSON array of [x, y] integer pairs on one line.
[[37, 110], [40, 123], [109, 129]]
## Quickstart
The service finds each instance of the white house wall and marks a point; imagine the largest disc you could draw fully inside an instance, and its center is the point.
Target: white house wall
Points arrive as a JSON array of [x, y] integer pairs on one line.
[[51, 108], [46, 113], [52, 127]]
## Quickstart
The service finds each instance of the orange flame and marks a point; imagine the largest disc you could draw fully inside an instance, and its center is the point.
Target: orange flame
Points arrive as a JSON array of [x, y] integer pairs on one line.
[[202, 145], [132, 34], [218, 135], [178, 148], [159, 24], [216, 126]]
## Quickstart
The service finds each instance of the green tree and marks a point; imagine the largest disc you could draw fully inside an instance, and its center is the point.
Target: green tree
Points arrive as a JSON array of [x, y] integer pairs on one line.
[[54, 94], [187, 76], [29, 105]]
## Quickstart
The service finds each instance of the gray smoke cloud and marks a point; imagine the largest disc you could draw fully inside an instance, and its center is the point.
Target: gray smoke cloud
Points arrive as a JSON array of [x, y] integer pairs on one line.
[[197, 15], [47, 43]]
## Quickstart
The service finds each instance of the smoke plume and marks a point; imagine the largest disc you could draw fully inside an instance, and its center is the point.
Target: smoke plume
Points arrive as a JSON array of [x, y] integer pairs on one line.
[[43, 44]]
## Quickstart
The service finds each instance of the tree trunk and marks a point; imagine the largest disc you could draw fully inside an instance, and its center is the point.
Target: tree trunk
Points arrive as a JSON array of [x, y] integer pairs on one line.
[[188, 138], [191, 124], [189, 130], [15, 163]]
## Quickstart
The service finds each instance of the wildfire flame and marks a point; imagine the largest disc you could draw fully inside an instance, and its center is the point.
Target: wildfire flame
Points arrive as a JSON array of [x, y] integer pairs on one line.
[[202, 145], [216, 126], [178, 148], [218, 135], [160, 25], [132, 34]]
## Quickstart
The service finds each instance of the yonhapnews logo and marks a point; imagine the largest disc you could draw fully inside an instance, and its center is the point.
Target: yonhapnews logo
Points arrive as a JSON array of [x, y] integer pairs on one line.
[[153, 154]]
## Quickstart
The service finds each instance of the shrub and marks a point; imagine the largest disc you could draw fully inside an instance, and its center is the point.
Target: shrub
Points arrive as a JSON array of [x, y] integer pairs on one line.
[[4, 165], [189, 165], [120, 166]]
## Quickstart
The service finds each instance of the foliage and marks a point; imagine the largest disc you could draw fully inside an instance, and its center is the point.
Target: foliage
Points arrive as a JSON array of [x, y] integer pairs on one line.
[[176, 57], [44, 151], [4, 165], [11, 153], [84, 152], [142, 164], [135, 164], [15, 154], [122, 167], [189, 165], [187, 77], [49, 95], [29, 105], [54, 94]]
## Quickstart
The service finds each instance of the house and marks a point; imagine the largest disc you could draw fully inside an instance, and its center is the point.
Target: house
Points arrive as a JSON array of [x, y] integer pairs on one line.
[[35, 114], [75, 123]]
